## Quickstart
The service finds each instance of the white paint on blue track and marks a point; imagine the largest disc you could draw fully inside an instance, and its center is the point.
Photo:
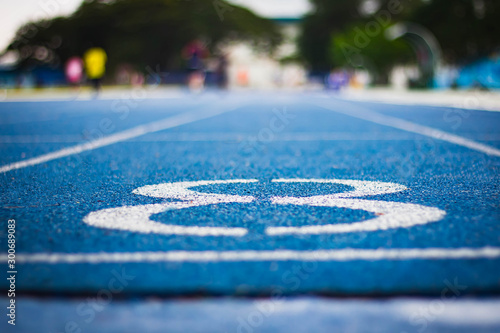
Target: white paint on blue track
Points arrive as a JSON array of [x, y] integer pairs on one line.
[[363, 113], [160, 125], [137, 218], [390, 214], [237, 137], [277, 255], [182, 119]]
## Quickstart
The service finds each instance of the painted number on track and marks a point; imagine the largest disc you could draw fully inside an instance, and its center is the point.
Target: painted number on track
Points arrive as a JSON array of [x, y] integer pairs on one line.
[[389, 215]]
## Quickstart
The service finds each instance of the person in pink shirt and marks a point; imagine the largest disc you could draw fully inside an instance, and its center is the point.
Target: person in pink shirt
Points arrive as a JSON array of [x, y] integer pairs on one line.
[[74, 71]]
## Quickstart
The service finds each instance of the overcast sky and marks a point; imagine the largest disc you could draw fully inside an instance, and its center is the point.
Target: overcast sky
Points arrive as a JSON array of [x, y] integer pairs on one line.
[[17, 12]]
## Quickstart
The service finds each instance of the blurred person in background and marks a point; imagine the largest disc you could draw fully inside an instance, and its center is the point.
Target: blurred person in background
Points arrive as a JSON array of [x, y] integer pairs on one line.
[[95, 66], [337, 80], [221, 71], [74, 71], [195, 53]]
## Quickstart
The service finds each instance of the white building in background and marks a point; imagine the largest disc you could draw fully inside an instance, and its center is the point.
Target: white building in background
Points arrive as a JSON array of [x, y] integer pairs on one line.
[[252, 69]]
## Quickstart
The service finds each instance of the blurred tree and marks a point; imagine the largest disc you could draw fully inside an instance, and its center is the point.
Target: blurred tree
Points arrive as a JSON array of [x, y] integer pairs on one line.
[[465, 29], [375, 53], [330, 17], [327, 17], [142, 33]]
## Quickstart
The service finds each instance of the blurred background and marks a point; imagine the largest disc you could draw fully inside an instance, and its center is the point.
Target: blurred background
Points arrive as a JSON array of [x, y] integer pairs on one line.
[[258, 44]]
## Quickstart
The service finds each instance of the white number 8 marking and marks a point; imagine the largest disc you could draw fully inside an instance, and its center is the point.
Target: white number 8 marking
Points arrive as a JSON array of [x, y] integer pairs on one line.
[[389, 214]]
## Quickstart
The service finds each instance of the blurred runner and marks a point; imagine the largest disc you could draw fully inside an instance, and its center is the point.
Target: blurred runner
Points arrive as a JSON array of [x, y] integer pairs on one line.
[[337, 79], [221, 71], [195, 52], [74, 71], [95, 66]]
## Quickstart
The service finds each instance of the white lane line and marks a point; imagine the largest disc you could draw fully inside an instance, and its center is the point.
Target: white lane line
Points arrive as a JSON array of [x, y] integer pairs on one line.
[[237, 137], [234, 137], [277, 255], [366, 114], [174, 121]]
